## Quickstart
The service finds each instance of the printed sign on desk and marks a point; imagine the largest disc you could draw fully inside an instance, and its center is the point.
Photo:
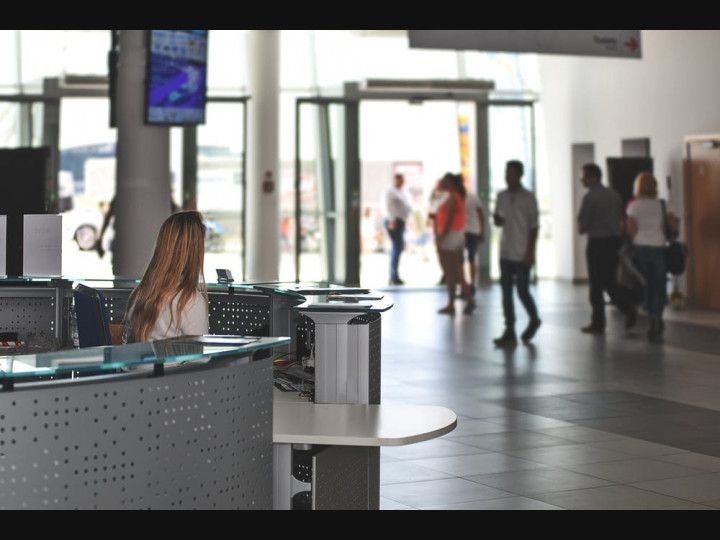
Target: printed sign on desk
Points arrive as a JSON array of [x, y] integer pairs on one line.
[[42, 245], [3, 246]]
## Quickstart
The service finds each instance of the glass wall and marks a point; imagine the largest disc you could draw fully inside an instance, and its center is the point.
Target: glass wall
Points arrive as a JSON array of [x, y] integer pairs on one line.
[[313, 62]]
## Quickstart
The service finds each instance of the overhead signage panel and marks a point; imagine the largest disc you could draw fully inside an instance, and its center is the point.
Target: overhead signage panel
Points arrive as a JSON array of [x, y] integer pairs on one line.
[[617, 43]]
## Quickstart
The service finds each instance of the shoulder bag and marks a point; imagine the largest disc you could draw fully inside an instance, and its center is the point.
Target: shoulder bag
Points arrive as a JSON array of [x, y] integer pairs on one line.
[[675, 252]]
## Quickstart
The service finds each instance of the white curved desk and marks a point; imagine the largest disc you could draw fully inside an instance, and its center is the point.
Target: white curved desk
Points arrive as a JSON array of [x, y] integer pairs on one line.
[[359, 425], [344, 442]]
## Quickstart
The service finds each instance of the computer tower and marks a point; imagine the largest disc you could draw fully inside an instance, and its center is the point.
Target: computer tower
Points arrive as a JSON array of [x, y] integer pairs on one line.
[[23, 190]]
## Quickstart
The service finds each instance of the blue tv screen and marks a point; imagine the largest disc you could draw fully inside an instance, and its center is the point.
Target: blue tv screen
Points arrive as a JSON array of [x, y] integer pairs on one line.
[[176, 77]]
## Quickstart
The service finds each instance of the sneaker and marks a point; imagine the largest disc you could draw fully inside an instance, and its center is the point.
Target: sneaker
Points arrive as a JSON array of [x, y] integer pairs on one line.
[[531, 329], [447, 311], [507, 339], [592, 329], [631, 318]]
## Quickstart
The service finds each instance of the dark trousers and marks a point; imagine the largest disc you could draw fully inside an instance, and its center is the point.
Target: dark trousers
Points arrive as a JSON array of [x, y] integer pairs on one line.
[[650, 261], [602, 263], [397, 237], [519, 274]]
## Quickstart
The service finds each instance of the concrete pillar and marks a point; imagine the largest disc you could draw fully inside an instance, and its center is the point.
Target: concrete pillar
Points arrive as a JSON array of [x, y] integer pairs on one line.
[[142, 196], [263, 164]]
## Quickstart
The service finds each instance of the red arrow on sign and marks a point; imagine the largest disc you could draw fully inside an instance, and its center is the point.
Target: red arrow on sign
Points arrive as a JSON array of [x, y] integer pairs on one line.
[[632, 43]]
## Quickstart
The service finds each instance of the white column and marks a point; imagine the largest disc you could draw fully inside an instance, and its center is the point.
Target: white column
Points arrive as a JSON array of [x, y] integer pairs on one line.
[[263, 207], [142, 197]]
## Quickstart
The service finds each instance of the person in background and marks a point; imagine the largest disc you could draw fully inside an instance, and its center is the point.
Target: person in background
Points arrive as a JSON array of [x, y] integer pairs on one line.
[[646, 226], [601, 218], [171, 299], [474, 233], [437, 197], [450, 239], [516, 211], [397, 210], [109, 214]]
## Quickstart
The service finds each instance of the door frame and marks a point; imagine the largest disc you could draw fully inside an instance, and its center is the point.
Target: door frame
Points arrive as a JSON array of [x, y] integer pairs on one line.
[[353, 96]]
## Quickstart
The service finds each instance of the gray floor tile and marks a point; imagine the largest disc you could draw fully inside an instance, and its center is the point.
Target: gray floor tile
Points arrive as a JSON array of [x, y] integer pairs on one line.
[[634, 470], [527, 421], [512, 440], [690, 506], [475, 427], [610, 498], [699, 488], [639, 447], [693, 460], [389, 504], [401, 471], [536, 481], [476, 464], [433, 448], [436, 492], [573, 454], [580, 434], [568, 386], [508, 503]]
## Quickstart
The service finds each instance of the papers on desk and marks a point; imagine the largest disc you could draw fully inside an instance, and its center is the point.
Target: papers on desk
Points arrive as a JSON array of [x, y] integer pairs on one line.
[[340, 305], [354, 297], [225, 340]]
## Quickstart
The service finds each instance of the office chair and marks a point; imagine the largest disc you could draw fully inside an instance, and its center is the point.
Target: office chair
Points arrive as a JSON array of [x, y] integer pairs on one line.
[[93, 323]]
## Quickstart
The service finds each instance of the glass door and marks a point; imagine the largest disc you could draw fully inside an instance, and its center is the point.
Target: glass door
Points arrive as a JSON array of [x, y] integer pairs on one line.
[[323, 230], [220, 189], [511, 129]]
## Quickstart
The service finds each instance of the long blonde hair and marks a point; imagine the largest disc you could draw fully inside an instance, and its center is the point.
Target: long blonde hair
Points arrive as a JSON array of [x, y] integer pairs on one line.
[[176, 269], [646, 185]]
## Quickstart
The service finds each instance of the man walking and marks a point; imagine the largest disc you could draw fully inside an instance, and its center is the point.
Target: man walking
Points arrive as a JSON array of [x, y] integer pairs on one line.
[[601, 217], [397, 210], [516, 211]]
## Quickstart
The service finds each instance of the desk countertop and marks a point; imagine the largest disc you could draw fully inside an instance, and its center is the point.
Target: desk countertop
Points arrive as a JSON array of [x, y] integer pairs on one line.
[[299, 422]]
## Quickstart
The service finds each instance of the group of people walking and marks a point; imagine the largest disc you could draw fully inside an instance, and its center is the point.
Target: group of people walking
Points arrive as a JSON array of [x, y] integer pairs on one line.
[[459, 225], [642, 228]]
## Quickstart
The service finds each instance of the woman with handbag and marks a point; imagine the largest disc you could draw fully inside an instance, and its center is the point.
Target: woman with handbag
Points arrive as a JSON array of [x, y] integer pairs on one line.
[[650, 226]]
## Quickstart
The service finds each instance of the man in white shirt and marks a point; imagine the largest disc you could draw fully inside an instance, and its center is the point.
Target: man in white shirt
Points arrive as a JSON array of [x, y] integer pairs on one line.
[[474, 232], [397, 210], [516, 211]]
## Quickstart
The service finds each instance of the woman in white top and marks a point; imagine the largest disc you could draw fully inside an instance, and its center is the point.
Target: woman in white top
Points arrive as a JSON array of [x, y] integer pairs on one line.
[[171, 299], [646, 227]]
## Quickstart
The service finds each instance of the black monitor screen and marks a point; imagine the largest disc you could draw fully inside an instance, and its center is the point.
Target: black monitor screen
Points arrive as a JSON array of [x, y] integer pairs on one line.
[[176, 77]]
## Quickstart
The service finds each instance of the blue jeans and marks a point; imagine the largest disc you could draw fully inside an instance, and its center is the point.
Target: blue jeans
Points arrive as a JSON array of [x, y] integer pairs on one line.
[[650, 261], [397, 237], [518, 274]]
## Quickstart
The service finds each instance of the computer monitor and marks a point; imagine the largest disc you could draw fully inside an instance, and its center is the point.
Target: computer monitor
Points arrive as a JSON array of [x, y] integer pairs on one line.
[[176, 81]]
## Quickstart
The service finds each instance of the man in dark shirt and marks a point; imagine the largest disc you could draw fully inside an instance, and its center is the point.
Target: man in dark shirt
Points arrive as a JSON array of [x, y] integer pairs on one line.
[[601, 217]]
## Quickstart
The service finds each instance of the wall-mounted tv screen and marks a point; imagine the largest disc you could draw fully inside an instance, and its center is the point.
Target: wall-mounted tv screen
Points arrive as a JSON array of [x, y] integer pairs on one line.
[[176, 82]]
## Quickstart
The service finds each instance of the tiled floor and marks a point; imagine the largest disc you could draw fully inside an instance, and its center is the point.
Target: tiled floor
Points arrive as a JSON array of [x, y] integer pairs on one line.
[[569, 422]]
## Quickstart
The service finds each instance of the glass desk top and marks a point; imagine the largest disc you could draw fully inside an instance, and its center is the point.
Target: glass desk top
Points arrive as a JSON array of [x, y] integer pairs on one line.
[[111, 358]]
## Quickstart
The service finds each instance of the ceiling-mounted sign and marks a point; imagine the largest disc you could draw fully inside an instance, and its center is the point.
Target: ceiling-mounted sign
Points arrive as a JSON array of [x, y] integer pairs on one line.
[[618, 43]]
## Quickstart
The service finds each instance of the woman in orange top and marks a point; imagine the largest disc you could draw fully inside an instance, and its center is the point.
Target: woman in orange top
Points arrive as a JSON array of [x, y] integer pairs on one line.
[[450, 240]]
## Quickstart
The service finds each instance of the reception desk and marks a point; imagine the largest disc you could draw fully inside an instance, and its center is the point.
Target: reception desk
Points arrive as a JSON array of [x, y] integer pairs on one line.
[[170, 424], [147, 426]]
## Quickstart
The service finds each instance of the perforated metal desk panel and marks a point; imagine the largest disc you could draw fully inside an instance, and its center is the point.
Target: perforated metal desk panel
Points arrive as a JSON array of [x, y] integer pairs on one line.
[[199, 436]]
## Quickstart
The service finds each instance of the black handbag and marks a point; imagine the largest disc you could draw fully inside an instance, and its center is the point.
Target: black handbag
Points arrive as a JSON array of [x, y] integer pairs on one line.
[[675, 252]]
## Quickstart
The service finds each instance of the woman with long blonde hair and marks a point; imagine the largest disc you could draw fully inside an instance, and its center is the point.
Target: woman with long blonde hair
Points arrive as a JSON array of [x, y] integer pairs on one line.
[[649, 226], [171, 299]]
